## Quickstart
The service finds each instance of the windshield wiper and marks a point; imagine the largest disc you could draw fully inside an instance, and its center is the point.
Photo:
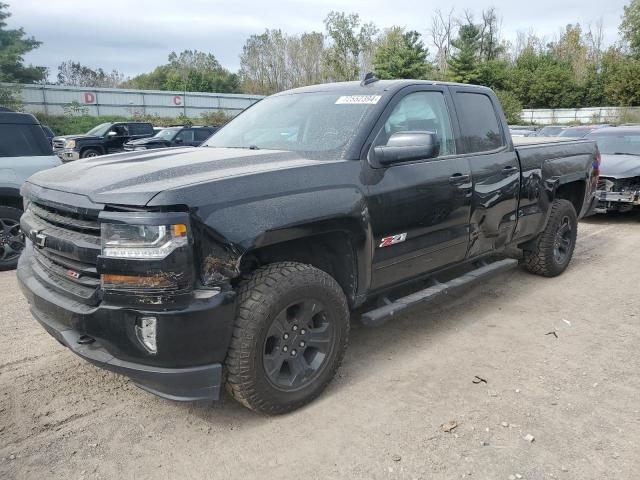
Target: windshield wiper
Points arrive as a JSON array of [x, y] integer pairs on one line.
[[627, 153]]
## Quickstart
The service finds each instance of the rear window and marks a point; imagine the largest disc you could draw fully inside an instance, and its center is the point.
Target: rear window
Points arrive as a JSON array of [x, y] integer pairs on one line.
[[479, 123], [140, 129], [202, 134], [23, 141]]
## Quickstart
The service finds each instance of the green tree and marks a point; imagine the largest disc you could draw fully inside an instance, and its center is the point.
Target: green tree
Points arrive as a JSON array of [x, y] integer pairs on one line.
[[630, 27], [14, 44], [463, 64], [510, 105], [352, 45], [621, 79], [401, 54], [191, 71], [75, 74]]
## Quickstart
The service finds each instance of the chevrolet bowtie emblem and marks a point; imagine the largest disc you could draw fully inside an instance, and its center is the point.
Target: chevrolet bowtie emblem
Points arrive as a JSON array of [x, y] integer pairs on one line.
[[40, 239]]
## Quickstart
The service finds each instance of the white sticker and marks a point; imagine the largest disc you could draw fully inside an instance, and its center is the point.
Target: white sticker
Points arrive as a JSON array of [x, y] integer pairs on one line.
[[358, 100]]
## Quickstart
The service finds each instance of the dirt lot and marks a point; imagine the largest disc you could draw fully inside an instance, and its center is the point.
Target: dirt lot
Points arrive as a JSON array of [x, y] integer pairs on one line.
[[577, 395]]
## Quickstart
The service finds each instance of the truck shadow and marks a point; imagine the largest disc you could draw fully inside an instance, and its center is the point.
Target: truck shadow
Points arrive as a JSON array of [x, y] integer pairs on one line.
[[372, 350]]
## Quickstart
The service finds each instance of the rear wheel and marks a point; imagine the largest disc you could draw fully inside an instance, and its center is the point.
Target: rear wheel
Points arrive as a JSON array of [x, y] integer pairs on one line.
[[290, 335], [550, 254], [11, 237]]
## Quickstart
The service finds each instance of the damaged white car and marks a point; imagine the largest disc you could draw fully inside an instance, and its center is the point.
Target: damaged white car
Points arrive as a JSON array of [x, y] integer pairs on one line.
[[619, 184]]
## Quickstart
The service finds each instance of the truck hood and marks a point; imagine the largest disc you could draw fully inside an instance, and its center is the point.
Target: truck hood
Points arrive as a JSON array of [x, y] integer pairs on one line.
[[134, 178], [77, 137], [620, 166]]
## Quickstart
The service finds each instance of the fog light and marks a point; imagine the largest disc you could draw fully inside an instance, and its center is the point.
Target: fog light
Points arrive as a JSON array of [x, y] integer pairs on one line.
[[146, 333]]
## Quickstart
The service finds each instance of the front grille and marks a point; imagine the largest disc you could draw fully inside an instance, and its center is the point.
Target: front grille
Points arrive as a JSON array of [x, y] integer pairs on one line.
[[66, 248], [58, 144]]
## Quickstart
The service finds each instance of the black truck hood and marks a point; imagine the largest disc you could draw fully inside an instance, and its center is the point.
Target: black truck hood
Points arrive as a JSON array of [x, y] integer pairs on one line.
[[620, 166], [134, 178], [78, 137]]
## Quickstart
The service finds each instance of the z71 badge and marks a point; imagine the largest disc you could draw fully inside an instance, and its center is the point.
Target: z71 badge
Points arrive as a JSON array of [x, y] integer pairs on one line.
[[392, 240]]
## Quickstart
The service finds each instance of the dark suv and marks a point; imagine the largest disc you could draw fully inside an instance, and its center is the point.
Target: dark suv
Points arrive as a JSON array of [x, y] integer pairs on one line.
[[100, 140], [179, 136]]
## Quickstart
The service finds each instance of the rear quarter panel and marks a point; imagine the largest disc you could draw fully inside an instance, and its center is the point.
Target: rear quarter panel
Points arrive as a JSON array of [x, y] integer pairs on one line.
[[546, 165]]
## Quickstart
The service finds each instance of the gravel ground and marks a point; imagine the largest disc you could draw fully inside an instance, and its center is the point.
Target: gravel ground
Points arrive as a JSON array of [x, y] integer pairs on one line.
[[575, 395]]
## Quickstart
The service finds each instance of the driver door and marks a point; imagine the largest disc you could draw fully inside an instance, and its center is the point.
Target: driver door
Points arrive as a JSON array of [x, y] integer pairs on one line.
[[419, 210], [116, 137]]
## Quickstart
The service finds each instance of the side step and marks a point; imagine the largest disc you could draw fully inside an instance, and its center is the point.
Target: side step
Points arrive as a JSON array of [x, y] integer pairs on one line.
[[382, 314]]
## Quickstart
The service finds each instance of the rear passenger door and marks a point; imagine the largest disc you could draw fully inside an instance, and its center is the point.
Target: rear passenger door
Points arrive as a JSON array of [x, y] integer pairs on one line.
[[419, 210], [494, 167]]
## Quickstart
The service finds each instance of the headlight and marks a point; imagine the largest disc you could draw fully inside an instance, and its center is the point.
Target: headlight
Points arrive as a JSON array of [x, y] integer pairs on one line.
[[69, 144], [142, 241]]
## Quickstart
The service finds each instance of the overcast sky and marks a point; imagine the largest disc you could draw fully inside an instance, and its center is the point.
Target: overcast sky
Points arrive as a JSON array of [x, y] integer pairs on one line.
[[135, 36]]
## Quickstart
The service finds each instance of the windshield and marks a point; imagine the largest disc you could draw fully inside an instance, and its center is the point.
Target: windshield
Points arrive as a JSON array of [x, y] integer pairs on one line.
[[623, 143], [167, 134], [311, 122], [100, 130]]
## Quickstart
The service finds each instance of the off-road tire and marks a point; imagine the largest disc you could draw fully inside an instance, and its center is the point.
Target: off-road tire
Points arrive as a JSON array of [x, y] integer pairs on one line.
[[10, 214], [539, 254], [261, 297], [90, 152]]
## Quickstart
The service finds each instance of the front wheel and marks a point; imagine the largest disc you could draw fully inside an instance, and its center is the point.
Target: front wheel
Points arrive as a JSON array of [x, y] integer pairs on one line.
[[11, 237], [290, 335], [550, 253], [90, 153]]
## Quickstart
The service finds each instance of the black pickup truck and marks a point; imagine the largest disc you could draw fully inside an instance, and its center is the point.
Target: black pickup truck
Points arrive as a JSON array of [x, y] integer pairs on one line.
[[100, 140], [238, 263]]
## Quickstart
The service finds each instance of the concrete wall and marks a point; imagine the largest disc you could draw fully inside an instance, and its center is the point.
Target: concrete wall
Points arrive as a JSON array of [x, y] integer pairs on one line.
[[52, 99], [546, 116]]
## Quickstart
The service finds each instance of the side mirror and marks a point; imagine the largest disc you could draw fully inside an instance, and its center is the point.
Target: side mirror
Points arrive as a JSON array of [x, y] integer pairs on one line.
[[408, 146], [112, 134], [178, 140]]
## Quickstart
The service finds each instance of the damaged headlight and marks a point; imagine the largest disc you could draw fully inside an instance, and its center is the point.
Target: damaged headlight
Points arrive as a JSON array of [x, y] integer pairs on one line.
[[142, 241]]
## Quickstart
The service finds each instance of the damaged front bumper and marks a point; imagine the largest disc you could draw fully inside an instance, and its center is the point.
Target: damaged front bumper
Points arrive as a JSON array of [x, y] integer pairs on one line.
[[192, 340], [616, 201]]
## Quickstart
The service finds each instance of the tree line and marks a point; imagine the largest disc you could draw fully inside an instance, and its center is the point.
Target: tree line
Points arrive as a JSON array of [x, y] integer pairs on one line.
[[574, 69]]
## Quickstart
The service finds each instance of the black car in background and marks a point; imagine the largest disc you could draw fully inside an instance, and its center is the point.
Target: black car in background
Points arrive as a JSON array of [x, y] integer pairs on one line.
[[180, 136], [100, 140]]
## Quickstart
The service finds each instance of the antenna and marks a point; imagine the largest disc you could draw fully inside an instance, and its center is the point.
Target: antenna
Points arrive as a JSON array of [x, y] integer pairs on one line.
[[369, 78]]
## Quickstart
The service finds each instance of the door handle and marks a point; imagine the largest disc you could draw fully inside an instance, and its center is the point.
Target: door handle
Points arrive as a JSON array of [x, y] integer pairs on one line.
[[509, 169], [459, 178]]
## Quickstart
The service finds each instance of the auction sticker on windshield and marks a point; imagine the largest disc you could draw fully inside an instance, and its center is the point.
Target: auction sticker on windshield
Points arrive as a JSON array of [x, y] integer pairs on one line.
[[358, 100]]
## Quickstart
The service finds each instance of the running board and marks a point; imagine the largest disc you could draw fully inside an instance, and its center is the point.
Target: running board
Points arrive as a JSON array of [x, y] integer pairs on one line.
[[382, 314]]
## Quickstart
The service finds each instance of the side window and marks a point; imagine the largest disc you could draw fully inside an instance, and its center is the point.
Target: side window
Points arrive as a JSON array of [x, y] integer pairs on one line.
[[479, 124], [202, 134], [420, 111], [121, 130], [187, 136], [140, 129]]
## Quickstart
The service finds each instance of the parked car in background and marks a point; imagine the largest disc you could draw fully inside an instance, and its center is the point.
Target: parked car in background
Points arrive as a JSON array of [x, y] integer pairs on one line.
[[521, 133], [237, 263], [619, 184], [100, 140], [580, 131], [180, 136], [24, 150], [550, 131]]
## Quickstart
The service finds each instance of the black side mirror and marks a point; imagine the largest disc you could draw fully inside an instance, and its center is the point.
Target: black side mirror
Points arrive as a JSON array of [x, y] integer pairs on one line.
[[408, 146], [177, 141]]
